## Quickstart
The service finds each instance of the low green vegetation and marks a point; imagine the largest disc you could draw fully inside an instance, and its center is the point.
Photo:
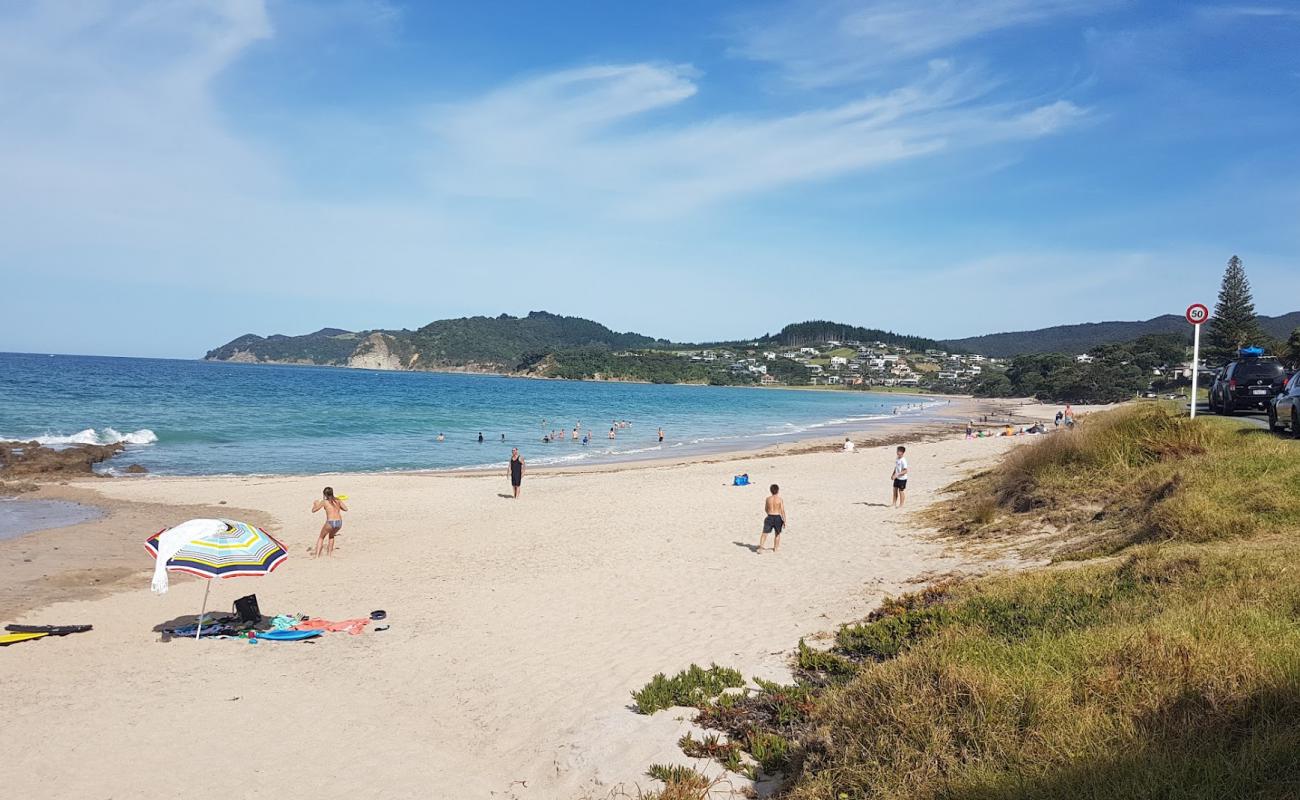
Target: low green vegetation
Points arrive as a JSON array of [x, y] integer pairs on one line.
[[649, 366], [680, 783], [1169, 667], [687, 688]]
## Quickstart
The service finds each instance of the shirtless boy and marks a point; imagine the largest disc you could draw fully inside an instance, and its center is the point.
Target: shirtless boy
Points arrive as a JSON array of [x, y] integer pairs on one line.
[[334, 509], [774, 522]]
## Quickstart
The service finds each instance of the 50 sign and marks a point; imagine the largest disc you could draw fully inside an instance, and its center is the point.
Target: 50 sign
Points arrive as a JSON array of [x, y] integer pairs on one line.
[[1197, 314]]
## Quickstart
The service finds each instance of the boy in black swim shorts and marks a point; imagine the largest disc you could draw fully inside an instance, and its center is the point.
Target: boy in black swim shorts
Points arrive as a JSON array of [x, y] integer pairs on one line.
[[774, 522]]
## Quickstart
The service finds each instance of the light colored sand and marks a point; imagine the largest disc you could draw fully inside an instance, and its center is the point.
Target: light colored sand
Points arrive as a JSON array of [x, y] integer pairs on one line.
[[518, 630]]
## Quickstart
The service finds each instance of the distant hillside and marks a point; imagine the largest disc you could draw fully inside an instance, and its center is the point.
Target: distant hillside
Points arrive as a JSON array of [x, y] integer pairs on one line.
[[486, 343], [818, 331], [1082, 338]]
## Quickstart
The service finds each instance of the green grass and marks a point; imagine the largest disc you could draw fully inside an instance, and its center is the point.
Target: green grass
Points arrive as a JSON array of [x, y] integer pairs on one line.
[[1169, 668], [1173, 673], [690, 687], [1138, 474]]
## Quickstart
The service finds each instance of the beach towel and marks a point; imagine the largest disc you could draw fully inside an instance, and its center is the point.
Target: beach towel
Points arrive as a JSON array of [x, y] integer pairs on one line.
[[172, 540], [740, 480], [352, 626]]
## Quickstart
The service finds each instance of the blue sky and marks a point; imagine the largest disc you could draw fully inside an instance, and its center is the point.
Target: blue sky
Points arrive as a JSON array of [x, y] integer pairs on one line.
[[173, 175]]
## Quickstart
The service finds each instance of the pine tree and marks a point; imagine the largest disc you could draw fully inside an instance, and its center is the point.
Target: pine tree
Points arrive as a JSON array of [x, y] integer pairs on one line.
[[1234, 325], [1293, 349]]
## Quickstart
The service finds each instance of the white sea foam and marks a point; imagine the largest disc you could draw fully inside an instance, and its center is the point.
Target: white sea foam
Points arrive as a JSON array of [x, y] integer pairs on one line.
[[91, 436]]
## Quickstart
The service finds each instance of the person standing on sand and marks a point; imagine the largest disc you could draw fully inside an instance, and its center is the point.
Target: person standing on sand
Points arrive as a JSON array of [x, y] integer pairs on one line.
[[334, 509], [774, 521], [899, 477], [516, 470]]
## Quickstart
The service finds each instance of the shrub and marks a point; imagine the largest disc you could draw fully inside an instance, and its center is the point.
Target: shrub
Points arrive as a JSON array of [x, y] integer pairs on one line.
[[690, 687]]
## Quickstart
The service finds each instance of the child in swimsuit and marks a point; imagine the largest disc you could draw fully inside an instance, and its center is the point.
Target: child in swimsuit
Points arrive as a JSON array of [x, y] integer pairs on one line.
[[774, 521], [334, 509]]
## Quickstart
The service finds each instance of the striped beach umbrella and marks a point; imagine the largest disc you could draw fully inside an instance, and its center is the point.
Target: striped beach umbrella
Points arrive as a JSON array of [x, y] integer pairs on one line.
[[222, 548]]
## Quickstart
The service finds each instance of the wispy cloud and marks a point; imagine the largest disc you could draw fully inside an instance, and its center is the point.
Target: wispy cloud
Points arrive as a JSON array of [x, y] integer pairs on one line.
[[563, 136], [819, 43]]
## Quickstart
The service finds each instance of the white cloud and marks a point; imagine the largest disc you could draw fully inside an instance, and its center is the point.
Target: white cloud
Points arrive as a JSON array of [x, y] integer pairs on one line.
[[819, 43], [561, 137]]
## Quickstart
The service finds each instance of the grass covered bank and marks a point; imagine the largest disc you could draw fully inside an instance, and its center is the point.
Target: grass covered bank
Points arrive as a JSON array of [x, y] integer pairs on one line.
[[1169, 667]]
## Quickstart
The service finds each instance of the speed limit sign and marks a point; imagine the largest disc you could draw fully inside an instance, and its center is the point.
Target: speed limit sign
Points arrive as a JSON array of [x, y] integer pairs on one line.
[[1197, 314]]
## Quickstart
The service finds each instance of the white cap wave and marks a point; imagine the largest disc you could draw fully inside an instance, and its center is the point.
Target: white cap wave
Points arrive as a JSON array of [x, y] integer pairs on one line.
[[91, 436]]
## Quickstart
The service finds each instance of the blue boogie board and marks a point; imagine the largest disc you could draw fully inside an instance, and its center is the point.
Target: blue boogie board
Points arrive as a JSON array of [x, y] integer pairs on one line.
[[288, 636]]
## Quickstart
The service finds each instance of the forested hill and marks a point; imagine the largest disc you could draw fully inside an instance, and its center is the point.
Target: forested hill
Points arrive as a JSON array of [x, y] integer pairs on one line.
[[1074, 339], [496, 343], [818, 331], [507, 340]]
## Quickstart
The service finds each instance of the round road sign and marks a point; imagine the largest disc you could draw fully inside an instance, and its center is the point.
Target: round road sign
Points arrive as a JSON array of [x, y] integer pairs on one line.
[[1197, 313]]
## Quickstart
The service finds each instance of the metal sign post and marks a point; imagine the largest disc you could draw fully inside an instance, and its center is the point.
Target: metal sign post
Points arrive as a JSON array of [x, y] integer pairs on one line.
[[1197, 314]]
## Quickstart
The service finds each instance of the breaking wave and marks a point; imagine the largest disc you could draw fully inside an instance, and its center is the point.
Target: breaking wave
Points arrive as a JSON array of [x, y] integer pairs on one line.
[[91, 436]]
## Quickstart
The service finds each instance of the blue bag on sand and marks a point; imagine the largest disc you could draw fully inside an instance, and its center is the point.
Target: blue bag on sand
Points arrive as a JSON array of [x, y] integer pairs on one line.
[[740, 480]]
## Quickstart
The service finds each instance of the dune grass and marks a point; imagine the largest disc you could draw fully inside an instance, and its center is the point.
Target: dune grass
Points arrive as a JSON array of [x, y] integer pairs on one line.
[[1170, 668], [1134, 475]]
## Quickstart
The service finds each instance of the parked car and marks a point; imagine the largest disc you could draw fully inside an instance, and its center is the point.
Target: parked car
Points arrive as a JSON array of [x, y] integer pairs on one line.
[[1284, 410], [1245, 383]]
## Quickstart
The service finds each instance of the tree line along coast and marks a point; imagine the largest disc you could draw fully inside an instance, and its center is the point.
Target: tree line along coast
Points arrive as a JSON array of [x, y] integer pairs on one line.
[[1090, 363]]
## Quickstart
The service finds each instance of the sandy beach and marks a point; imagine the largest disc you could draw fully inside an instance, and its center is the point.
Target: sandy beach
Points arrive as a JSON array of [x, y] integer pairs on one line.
[[518, 628]]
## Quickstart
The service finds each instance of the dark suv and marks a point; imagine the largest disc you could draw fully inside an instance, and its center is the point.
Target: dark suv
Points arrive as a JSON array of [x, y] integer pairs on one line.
[[1285, 408], [1245, 383]]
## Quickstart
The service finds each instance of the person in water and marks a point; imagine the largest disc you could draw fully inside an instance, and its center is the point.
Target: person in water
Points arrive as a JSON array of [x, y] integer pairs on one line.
[[480, 437], [774, 521], [334, 509], [516, 471], [441, 437], [661, 435]]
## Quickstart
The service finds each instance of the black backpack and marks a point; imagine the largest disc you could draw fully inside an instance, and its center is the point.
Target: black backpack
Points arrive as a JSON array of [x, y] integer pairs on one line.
[[246, 608]]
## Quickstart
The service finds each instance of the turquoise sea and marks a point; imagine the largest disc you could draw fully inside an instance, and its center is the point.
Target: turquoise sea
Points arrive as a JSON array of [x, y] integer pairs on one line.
[[210, 418]]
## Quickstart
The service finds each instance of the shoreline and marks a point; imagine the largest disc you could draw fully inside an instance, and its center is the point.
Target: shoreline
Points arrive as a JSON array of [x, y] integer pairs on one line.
[[96, 492], [963, 406]]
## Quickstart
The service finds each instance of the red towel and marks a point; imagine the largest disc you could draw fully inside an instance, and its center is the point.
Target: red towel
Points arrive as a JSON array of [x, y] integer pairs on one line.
[[352, 626]]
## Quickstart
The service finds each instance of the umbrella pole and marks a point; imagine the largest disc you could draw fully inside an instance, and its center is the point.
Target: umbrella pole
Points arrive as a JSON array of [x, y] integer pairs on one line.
[[199, 630]]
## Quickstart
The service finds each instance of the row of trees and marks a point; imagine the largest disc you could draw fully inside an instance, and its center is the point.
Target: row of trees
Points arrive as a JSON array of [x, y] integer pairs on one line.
[[1115, 373]]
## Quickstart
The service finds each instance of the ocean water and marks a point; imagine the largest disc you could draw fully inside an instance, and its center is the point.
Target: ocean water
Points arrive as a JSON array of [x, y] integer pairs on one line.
[[20, 516], [212, 418]]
